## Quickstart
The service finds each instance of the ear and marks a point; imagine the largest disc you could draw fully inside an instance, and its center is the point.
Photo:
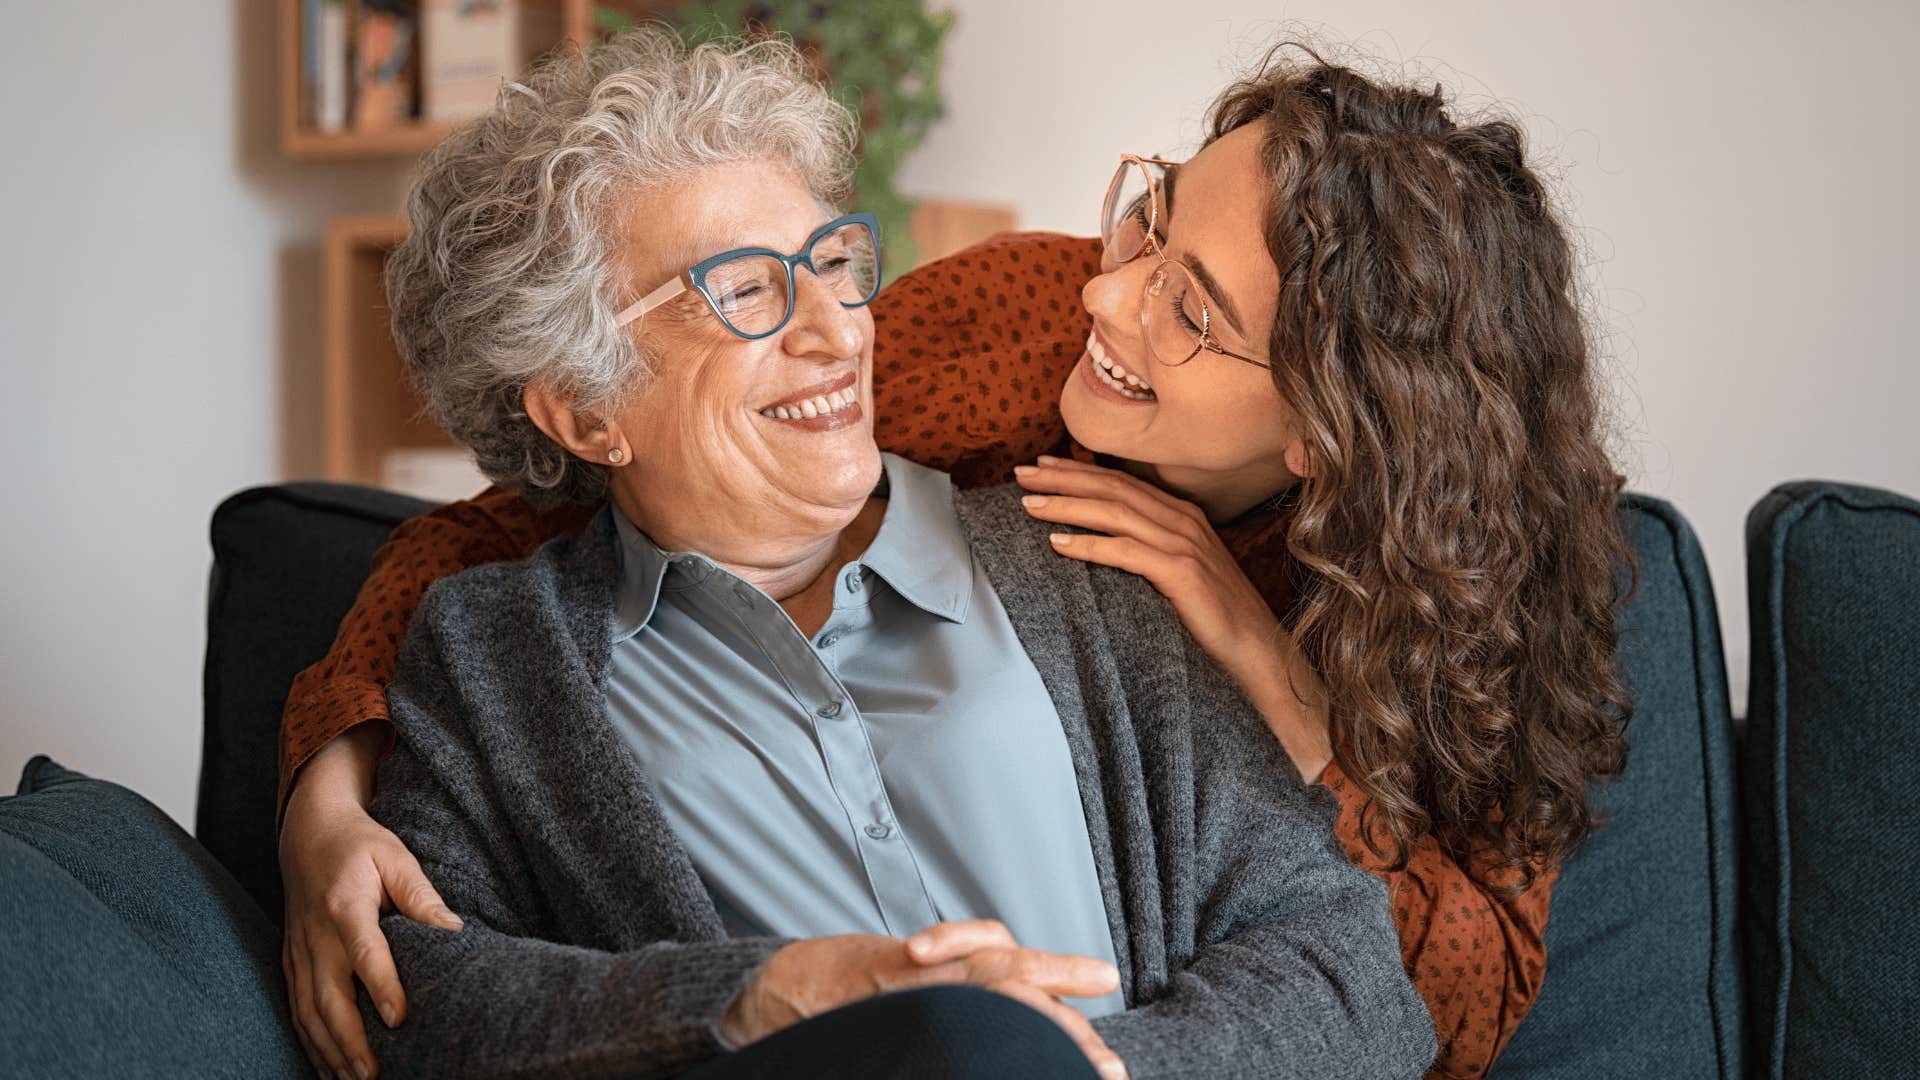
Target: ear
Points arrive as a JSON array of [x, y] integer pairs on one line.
[[587, 437], [1299, 461]]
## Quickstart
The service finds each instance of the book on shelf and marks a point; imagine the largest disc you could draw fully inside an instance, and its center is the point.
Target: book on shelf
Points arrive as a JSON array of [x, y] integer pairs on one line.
[[323, 64], [469, 47], [383, 69]]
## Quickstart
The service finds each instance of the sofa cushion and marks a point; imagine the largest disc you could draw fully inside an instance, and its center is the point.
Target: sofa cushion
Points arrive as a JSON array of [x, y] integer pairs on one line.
[[1642, 975], [1833, 585], [129, 950], [287, 561]]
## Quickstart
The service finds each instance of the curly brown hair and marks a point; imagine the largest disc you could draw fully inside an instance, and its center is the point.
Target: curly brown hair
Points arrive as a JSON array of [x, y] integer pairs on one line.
[[1461, 552]]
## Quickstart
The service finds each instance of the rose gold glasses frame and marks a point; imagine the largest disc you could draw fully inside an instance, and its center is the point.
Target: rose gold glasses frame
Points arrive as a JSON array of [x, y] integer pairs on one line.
[[1158, 279]]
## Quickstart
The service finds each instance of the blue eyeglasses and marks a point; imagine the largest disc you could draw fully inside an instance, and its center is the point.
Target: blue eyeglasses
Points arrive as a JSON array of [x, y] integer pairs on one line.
[[751, 289]]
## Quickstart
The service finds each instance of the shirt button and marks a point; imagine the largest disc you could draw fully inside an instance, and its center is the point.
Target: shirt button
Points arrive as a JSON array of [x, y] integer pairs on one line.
[[830, 640], [828, 711], [853, 582], [879, 831]]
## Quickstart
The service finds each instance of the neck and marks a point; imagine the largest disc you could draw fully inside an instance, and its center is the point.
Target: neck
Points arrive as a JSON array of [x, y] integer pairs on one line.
[[1224, 494]]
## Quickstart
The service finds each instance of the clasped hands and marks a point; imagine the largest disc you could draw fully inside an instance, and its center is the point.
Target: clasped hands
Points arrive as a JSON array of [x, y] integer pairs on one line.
[[812, 976]]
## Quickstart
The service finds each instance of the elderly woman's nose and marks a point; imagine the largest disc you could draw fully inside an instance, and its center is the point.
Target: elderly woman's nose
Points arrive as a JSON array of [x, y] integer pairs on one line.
[[821, 321]]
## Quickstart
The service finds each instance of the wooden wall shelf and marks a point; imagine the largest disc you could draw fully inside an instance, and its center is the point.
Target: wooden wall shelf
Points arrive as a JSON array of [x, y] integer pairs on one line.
[[301, 142]]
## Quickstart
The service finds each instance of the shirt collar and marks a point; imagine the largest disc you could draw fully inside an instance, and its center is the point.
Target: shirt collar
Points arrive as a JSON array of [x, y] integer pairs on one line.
[[643, 568], [919, 551]]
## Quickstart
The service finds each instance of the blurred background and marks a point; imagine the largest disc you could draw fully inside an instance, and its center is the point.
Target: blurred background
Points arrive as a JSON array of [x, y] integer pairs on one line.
[[196, 195]]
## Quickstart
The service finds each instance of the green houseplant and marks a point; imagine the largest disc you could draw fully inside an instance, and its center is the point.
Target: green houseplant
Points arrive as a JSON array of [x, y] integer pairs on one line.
[[882, 59]]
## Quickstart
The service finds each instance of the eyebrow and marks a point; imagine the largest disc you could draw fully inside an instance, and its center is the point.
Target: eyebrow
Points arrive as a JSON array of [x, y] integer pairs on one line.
[[1208, 283]]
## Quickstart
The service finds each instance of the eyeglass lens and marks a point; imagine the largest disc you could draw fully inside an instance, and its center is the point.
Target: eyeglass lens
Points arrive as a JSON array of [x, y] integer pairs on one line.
[[1131, 202], [1173, 315], [754, 294]]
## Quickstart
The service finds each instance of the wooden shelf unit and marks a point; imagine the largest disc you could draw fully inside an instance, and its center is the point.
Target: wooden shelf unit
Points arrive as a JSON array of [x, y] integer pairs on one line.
[[301, 142]]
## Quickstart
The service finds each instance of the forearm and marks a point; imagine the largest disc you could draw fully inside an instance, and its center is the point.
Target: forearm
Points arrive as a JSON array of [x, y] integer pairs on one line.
[[483, 1004], [342, 771], [1281, 685]]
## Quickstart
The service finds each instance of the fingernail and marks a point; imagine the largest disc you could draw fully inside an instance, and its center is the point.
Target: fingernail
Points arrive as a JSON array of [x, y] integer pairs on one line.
[[447, 915], [1024, 470], [1033, 501], [363, 1070], [1047, 459], [387, 1012], [1061, 539]]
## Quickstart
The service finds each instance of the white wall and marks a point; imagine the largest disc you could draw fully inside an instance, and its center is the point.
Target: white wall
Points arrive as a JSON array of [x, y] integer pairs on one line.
[[158, 263], [1742, 173]]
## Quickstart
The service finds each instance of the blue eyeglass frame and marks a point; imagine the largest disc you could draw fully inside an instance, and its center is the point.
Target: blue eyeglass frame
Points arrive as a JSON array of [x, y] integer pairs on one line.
[[695, 277]]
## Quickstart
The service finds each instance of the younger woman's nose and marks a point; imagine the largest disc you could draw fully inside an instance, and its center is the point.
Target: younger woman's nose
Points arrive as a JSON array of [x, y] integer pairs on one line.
[[1115, 294]]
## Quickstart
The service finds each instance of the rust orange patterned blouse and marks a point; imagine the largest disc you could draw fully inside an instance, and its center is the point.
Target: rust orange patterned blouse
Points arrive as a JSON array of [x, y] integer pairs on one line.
[[970, 354]]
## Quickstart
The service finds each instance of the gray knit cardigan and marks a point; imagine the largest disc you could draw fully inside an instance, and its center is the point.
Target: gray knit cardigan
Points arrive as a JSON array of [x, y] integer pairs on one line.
[[1247, 945]]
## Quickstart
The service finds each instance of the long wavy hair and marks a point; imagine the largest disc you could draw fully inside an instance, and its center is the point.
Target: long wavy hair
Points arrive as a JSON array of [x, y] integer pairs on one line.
[[1461, 552]]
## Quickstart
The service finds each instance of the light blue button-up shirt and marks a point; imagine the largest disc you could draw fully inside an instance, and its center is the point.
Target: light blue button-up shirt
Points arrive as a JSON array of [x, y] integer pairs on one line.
[[904, 767]]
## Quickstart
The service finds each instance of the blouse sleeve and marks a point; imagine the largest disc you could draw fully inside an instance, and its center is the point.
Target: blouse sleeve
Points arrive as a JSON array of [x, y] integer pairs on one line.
[[348, 686], [1476, 953], [970, 352]]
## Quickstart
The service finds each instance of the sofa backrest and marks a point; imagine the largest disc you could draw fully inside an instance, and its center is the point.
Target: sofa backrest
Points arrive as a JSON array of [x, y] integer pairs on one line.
[[287, 561], [1832, 788], [1643, 974]]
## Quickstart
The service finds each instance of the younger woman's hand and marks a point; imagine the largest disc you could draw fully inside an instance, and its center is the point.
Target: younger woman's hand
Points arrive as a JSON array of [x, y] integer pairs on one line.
[[1170, 542], [1164, 539], [342, 869]]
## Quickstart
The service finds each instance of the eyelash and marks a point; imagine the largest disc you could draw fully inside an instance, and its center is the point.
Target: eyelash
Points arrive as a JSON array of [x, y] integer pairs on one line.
[[1140, 215], [1180, 312]]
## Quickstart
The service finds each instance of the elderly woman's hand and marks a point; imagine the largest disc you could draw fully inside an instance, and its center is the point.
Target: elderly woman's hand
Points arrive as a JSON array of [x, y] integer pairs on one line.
[[341, 870], [1170, 542], [811, 976]]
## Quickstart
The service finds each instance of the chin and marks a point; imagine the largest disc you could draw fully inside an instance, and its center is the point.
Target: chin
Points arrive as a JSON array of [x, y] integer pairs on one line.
[[1087, 424], [852, 474]]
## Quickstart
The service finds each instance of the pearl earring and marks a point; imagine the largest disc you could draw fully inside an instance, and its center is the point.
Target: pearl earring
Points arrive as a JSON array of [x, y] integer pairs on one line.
[[615, 455]]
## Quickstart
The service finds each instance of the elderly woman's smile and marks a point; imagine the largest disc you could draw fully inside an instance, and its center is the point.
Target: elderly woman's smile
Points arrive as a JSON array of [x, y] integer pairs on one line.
[[828, 406]]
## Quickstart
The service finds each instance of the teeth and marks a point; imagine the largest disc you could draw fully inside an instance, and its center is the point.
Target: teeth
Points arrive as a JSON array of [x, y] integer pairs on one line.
[[818, 405], [1114, 374]]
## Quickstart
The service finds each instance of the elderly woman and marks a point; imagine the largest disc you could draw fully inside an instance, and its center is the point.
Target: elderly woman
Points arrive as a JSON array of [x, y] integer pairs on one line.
[[791, 725]]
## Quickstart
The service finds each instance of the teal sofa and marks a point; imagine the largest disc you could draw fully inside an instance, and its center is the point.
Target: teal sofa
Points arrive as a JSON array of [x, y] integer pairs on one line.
[[1746, 910]]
